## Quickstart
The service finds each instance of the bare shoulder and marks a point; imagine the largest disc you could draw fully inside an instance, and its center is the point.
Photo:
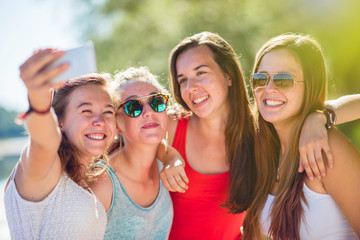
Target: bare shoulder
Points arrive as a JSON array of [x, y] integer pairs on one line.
[[103, 189], [346, 159], [342, 147], [172, 129], [342, 181], [34, 188]]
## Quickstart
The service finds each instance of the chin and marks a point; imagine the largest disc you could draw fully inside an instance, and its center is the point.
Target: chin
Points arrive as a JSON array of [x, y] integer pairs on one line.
[[152, 140], [270, 119]]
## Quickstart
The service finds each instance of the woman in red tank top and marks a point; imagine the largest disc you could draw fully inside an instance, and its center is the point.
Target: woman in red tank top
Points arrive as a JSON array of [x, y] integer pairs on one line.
[[216, 141]]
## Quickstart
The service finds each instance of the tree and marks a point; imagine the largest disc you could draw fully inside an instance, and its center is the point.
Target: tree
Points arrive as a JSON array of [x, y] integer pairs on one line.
[[143, 32]]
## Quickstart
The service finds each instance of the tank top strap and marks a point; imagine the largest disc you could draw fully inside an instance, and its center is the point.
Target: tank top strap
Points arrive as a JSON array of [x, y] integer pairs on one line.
[[13, 172], [103, 164], [180, 137]]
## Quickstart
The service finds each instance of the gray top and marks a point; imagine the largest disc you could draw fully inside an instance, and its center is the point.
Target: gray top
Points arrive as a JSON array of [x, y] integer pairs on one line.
[[128, 220], [68, 212]]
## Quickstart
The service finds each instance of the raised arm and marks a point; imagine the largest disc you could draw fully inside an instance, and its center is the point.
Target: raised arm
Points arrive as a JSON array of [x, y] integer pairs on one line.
[[314, 138], [39, 169]]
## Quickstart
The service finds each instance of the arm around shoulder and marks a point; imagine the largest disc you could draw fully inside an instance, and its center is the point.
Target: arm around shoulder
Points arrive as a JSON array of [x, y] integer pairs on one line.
[[342, 181], [347, 108]]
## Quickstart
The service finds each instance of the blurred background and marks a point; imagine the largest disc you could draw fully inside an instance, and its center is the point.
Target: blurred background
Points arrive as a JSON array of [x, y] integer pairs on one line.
[[143, 32]]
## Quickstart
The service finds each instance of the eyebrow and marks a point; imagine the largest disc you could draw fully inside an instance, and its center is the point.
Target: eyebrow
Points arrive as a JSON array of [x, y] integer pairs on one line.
[[196, 68], [136, 96], [90, 104]]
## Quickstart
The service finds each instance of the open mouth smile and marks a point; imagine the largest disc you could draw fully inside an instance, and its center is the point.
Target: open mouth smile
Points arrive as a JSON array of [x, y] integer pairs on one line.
[[273, 103], [96, 136], [200, 100]]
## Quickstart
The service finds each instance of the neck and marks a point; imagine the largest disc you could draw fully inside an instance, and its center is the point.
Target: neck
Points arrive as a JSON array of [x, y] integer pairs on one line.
[[285, 133], [84, 162], [210, 126], [139, 159]]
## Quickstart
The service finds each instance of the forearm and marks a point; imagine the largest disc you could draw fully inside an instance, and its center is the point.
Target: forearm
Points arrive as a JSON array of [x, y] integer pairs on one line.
[[347, 108], [41, 122], [168, 154]]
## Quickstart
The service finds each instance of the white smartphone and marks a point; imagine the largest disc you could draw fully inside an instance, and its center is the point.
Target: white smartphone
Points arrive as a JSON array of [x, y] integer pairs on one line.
[[82, 60]]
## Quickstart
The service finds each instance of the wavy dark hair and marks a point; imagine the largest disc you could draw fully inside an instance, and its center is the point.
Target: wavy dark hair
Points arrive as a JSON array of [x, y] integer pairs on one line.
[[287, 209], [66, 151], [239, 130]]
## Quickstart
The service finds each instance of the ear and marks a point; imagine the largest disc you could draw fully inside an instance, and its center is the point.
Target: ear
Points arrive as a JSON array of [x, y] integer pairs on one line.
[[229, 80], [118, 131]]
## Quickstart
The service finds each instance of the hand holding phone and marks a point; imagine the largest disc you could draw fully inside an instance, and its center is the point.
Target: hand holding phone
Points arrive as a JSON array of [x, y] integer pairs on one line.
[[82, 60]]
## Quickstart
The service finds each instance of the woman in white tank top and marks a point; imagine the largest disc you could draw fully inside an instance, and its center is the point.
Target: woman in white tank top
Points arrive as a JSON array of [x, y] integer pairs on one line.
[[47, 195], [289, 83]]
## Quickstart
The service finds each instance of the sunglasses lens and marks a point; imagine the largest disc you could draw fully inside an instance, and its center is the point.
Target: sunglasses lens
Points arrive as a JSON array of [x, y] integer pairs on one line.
[[283, 80], [259, 80], [133, 108], [158, 103]]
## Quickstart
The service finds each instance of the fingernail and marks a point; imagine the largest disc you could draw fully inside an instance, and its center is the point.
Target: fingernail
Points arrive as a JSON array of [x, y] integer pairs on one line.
[[323, 174], [311, 178], [319, 177], [330, 166]]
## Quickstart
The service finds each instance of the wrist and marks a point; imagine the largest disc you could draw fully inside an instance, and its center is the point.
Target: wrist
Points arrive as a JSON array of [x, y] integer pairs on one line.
[[22, 116], [329, 115]]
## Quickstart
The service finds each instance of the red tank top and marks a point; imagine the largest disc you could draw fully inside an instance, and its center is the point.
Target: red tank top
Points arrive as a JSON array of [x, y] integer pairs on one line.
[[197, 212]]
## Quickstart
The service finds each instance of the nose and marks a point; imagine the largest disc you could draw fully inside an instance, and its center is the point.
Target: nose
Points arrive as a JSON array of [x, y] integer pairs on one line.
[[98, 120], [147, 110], [270, 85], [192, 85]]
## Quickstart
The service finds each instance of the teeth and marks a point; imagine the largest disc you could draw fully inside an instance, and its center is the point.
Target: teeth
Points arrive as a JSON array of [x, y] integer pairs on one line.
[[96, 136], [273, 102], [199, 100]]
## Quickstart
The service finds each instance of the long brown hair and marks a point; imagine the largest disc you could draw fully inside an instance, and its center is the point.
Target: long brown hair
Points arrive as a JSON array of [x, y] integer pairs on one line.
[[239, 130], [66, 151], [287, 209]]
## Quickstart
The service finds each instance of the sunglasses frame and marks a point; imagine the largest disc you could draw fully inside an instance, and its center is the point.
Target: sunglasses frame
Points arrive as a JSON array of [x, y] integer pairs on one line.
[[150, 97], [270, 77]]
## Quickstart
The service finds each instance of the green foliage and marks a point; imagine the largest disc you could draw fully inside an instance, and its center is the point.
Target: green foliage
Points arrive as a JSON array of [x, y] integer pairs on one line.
[[143, 32], [8, 128]]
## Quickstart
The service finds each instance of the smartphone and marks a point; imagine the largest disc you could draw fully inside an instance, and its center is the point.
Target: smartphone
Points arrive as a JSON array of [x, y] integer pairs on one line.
[[82, 60]]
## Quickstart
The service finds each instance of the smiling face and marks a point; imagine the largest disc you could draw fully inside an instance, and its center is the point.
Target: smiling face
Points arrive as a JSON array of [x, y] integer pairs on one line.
[[89, 121], [150, 126], [203, 86], [280, 106]]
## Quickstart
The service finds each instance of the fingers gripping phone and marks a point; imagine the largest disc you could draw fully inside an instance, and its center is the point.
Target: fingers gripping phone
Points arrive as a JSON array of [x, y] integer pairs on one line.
[[82, 60]]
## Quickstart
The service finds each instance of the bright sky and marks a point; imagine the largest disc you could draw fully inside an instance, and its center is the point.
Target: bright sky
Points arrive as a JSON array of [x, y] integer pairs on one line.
[[26, 25]]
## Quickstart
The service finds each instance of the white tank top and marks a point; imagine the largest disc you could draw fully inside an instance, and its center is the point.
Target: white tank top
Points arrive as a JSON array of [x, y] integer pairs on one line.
[[322, 218], [68, 212]]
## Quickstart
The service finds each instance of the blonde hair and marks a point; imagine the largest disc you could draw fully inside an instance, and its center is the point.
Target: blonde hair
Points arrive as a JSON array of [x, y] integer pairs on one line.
[[141, 74]]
